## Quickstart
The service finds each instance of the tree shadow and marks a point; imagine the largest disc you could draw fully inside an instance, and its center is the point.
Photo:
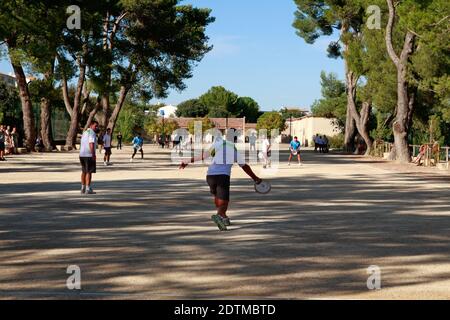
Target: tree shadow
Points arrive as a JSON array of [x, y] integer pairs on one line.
[[311, 236]]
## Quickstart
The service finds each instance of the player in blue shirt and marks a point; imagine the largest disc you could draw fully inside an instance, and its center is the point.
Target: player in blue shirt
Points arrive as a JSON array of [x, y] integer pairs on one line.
[[138, 142], [294, 147]]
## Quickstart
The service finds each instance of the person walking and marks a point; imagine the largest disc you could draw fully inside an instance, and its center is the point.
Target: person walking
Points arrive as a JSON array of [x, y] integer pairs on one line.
[[14, 140], [107, 147], [119, 141]]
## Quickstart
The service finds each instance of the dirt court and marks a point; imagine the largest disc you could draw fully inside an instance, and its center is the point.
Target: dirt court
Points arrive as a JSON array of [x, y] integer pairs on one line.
[[147, 233]]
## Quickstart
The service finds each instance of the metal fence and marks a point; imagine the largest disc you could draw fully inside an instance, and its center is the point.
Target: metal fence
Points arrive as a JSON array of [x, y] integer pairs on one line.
[[430, 154], [427, 154], [381, 147]]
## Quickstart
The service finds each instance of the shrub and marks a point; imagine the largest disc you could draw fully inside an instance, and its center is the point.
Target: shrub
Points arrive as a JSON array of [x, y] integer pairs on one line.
[[337, 141]]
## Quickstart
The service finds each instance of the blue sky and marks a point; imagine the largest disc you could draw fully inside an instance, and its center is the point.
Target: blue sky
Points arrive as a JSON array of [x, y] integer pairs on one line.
[[257, 54]]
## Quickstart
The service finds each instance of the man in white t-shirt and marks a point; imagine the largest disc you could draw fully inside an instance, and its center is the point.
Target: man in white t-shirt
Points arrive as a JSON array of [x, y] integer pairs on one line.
[[107, 147], [252, 141], [88, 157], [266, 152], [224, 154], [316, 142]]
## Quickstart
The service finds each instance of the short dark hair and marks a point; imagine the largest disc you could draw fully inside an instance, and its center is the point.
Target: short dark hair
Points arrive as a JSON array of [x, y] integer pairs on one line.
[[94, 122], [295, 137], [108, 129]]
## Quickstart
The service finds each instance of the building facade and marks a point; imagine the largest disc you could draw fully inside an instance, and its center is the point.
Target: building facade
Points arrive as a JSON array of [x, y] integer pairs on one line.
[[8, 80], [307, 127]]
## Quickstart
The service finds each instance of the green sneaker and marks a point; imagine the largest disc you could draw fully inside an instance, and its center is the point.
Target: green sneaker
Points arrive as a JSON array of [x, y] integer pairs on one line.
[[226, 221], [219, 222]]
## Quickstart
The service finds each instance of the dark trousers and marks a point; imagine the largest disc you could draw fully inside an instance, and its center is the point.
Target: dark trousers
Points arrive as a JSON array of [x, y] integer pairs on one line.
[[142, 153], [119, 144]]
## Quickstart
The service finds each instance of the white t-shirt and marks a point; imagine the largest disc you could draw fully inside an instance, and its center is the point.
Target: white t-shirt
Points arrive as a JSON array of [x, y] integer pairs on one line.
[[265, 145], [88, 137], [106, 141], [224, 154]]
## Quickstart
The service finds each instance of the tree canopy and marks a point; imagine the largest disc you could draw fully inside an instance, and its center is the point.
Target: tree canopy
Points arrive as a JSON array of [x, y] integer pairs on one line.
[[271, 121]]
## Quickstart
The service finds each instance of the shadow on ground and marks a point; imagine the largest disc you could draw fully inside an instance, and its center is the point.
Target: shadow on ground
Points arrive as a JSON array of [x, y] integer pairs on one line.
[[311, 236]]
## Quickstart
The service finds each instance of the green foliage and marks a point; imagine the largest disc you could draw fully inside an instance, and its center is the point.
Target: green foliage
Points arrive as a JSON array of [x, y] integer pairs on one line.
[[9, 104], [336, 141], [219, 101], [191, 109], [151, 46], [382, 131], [131, 120], [162, 40], [248, 108], [156, 126], [294, 113], [271, 120], [333, 103], [316, 18], [206, 124]]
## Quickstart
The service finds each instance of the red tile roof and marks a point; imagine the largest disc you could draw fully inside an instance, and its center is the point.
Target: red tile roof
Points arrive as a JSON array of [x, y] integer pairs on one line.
[[221, 123]]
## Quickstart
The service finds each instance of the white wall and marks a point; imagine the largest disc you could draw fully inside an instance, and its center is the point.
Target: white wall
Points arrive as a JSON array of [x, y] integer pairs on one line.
[[308, 127]]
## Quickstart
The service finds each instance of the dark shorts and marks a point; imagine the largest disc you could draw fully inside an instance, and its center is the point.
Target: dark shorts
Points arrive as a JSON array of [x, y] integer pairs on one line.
[[88, 165], [2, 146], [108, 151], [219, 186]]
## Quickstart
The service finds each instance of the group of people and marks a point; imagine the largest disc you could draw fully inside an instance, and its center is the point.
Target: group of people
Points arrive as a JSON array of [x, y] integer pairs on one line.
[[265, 154], [217, 176], [321, 143], [88, 157], [9, 141]]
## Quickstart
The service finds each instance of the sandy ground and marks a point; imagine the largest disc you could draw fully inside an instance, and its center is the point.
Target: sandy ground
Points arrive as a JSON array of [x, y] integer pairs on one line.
[[147, 234]]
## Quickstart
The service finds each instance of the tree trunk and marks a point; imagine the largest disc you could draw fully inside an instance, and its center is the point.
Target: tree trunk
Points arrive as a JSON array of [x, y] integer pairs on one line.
[[113, 119], [46, 133], [363, 126], [92, 114], [361, 119], [27, 106], [106, 111], [86, 95], [405, 100], [350, 133], [75, 115], [110, 29], [46, 112], [402, 123], [350, 125]]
